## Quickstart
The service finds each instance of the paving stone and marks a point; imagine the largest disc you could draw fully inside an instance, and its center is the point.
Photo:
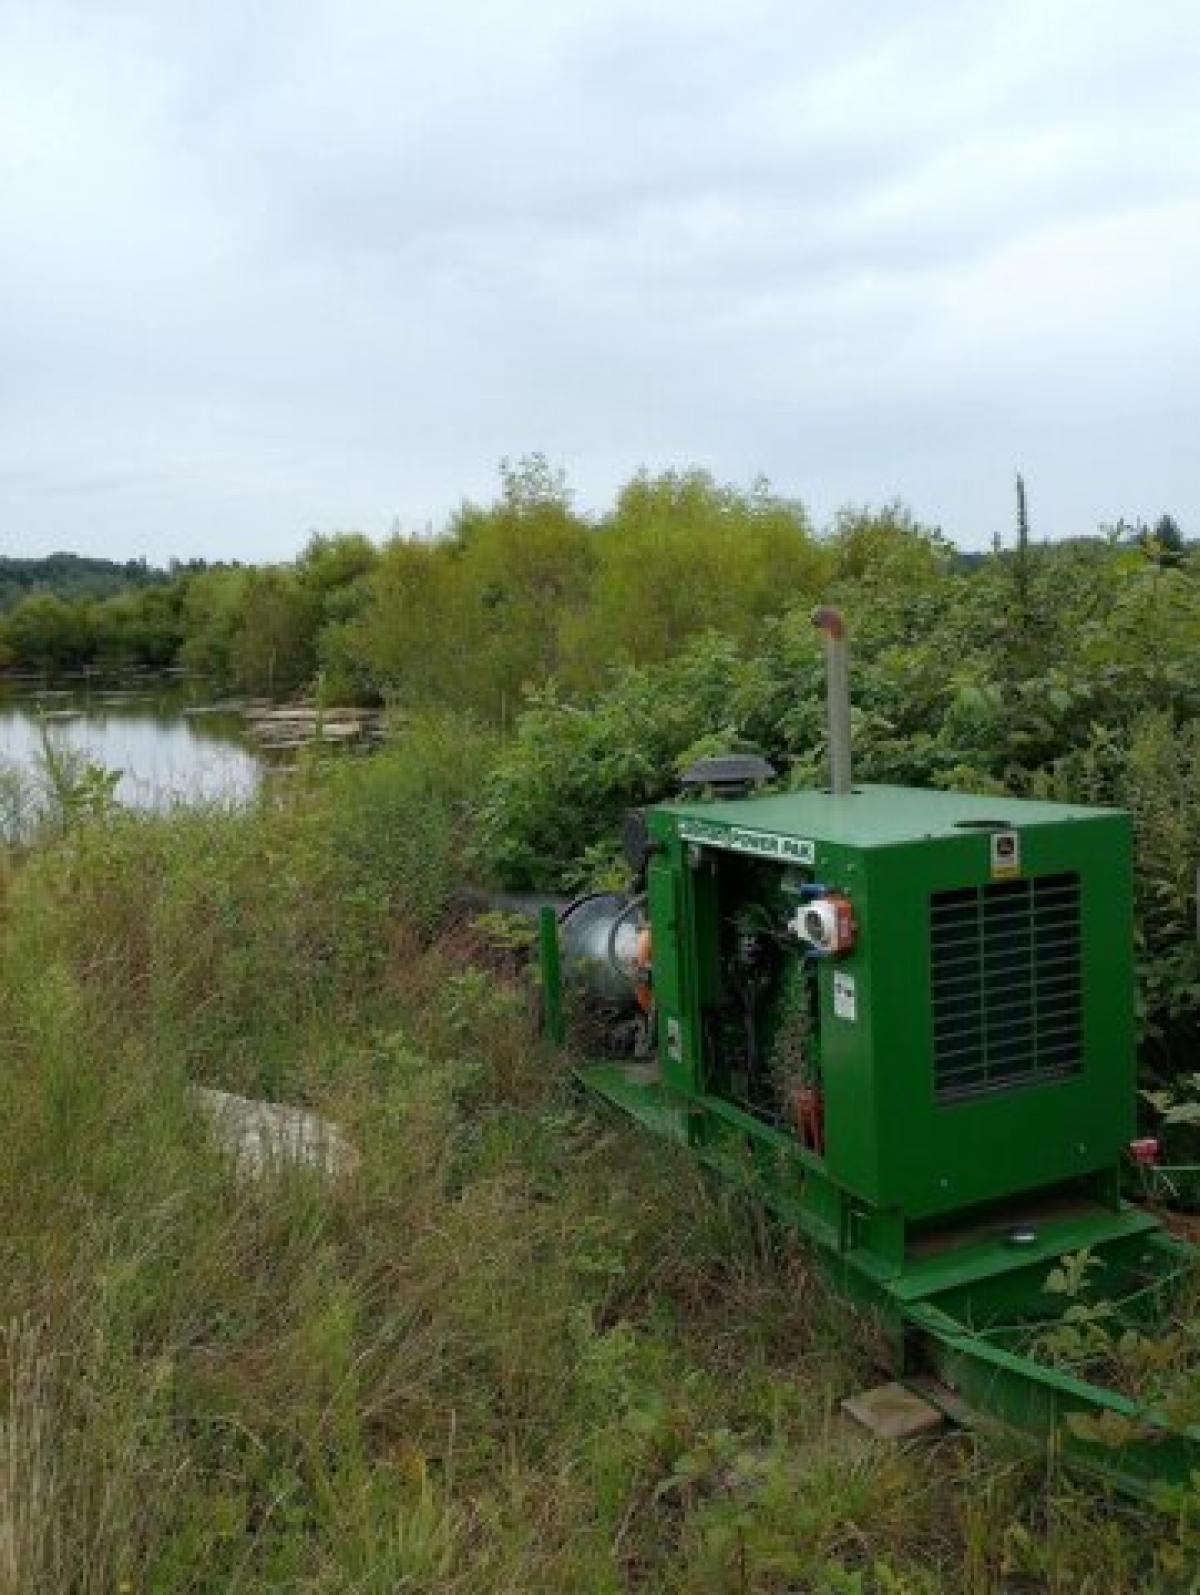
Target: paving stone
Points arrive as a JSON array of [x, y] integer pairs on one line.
[[894, 1412]]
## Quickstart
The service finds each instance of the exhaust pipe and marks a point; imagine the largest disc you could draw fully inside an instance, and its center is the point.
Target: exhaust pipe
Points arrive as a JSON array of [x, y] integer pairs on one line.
[[830, 623]]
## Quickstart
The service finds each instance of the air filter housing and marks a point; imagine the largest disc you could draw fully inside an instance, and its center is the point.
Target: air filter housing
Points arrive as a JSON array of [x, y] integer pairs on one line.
[[727, 775]]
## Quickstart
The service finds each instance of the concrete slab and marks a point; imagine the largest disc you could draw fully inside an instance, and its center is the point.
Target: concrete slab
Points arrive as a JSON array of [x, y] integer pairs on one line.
[[260, 1136], [894, 1412]]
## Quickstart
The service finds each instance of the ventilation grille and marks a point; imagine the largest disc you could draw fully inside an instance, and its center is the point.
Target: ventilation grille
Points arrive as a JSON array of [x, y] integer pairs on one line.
[[1006, 985]]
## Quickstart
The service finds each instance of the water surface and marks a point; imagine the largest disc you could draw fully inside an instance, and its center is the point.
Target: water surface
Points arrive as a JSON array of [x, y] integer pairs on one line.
[[164, 755]]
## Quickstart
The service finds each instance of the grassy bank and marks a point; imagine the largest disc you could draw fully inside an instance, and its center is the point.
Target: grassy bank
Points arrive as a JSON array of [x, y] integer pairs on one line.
[[520, 1349]]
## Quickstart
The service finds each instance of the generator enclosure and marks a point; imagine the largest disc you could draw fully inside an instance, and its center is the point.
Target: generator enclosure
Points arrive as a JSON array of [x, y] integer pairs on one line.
[[929, 994], [903, 1021]]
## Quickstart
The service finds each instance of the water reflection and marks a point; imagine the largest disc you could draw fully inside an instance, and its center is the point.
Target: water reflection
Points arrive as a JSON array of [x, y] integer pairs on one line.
[[164, 755]]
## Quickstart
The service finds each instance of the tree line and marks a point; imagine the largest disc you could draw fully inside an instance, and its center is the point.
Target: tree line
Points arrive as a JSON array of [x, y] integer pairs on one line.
[[508, 597], [71, 576]]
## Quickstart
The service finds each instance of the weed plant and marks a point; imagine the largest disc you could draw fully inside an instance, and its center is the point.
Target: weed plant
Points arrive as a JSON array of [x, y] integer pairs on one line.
[[520, 1349]]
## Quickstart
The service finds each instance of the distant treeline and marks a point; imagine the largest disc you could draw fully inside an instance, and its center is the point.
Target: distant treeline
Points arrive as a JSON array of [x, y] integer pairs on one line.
[[510, 596], [72, 577]]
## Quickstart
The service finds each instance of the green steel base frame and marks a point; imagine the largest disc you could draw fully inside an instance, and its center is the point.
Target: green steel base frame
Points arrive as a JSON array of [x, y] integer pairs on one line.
[[959, 1303]]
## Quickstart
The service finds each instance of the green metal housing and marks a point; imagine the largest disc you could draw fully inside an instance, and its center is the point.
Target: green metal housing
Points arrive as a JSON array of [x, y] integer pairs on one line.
[[972, 1052], [897, 1154]]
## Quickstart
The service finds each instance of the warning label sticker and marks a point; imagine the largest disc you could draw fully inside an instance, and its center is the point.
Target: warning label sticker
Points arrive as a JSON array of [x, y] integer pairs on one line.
[[1006, 855], [845, 996]]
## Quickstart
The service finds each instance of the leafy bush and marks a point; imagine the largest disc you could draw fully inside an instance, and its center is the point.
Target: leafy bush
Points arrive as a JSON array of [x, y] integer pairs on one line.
[[208, 933], [570, 772]]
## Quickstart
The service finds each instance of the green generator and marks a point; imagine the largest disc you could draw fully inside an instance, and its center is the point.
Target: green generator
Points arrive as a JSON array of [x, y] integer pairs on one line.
[[932, 993], [904, 1018]]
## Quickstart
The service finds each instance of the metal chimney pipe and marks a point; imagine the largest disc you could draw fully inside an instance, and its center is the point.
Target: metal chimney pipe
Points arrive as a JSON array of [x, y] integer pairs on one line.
[[830, 623]]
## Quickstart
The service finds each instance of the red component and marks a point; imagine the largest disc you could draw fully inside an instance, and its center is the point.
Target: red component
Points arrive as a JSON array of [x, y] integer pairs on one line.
[[642, 958], [1144, 1150], [843, 936], [810, 1118]]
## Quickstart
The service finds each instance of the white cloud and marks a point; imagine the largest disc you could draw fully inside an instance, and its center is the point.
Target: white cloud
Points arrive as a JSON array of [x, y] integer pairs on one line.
[[264, 268]]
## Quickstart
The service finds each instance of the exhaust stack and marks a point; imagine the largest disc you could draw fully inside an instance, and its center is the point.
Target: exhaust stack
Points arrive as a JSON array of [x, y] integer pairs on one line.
[[832, 626]]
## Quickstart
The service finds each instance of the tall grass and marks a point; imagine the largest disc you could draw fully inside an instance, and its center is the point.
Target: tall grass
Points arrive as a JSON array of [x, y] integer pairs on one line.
[[521, 1349]]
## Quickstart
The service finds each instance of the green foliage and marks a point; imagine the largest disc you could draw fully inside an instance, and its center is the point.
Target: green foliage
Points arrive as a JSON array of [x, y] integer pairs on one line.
[[333, 573], [141, 629], [887, 548], [72, 577], [76, 787], [46, 633], [273, 646], [212, 607], [263, 629], [520, 1348], [414, 634], [1082, 1336], [570, 772], [256, 629], [469, 620], [249, 918], [1144, 1349], [67, 614], [680, 556]]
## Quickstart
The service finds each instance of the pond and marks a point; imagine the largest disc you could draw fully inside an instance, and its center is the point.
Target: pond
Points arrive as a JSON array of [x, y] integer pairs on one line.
[[165, 750]]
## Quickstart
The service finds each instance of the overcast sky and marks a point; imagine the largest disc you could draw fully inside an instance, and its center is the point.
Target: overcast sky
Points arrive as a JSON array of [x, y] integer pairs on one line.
[[269, 267]]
